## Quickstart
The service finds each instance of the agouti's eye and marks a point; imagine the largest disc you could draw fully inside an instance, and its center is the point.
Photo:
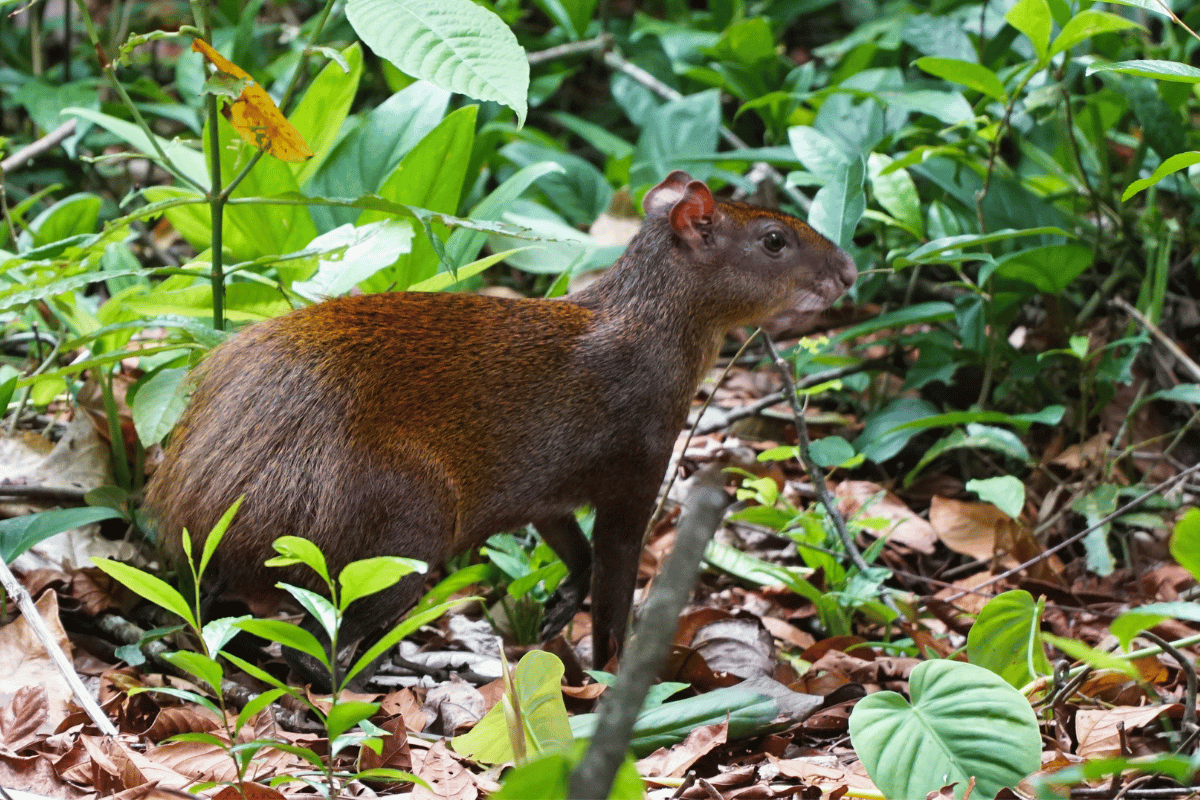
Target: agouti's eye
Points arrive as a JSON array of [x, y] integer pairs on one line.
[[774, 241]]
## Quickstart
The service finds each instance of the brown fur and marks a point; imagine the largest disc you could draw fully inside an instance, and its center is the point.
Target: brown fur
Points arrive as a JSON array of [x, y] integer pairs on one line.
[[420, 424]]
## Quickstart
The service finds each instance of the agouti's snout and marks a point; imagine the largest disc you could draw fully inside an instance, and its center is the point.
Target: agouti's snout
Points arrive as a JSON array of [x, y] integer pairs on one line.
[[420, 424]]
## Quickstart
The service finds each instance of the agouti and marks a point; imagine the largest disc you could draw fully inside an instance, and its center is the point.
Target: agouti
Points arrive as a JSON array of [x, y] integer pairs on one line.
[[421, 424]]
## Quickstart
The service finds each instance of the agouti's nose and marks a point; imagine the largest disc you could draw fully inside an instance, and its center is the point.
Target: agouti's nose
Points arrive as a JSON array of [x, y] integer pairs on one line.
[[844, 268]]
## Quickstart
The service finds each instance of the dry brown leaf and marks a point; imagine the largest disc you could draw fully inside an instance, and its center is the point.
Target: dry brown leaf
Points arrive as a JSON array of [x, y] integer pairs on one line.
[[674, 761], [23, 717], [445, 774], [969, 528], [403, 703], [1098, 731], [24, 662], [252, 791], [906, 526], [823, 772], [1083, 455]]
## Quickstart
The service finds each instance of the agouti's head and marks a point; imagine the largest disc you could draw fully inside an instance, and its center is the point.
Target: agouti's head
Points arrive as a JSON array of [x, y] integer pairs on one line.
[[760, 262]]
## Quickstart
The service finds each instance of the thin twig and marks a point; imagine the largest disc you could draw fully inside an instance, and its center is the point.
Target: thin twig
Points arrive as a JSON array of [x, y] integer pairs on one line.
[[703, 511], [1070, 540], [88, 703], [1189, 669], [816, 474], [733, 415], [601, 42], [31, 151], [1191, 366]]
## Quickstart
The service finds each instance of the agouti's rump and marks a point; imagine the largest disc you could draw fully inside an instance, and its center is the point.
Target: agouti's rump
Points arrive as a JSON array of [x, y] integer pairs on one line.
[[420, 424]]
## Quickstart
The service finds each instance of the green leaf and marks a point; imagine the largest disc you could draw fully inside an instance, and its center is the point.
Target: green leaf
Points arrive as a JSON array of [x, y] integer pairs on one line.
[[895, 192], [186, 160], [1050, 415], [346, 714], [935, 251], [1032, 18], [295, 550], [679, 134], [371, 575], [964, 722], [752, 708], [839, 204], [217, 534], [1099, 659], [358, 253], [1087, 24], [1168, 167], [1007, 638], [537, 681], [71, 216], [430, 176], [1096, 505], [1050, 269], [1151, 68], [1130, 623], [455, 44], [831, 451], [977, 436], [323, 108], [18, 534], [288, 635], [201, 666], [463, 243], [143, 584], [1185, 542], [1004, 492], [746, 567], [159, 404], [965, 73]]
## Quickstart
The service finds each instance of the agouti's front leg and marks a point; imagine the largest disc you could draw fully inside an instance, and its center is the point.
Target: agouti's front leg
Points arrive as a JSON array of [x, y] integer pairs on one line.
[[617, 544], [565, 537]]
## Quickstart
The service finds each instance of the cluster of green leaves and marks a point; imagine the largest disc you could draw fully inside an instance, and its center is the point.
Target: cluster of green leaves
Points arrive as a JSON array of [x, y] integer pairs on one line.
[[346, 722]]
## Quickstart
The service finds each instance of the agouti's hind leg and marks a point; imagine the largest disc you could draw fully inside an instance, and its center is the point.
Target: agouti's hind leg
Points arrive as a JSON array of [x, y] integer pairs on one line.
[[567, 540]]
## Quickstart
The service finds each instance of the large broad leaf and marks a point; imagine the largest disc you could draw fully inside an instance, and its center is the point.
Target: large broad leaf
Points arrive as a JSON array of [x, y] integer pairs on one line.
[[365, 155], [320, 113], [1087, 24], [680, 134], [896, 192], [964, 722], [1032, 18], [1051, 269], [965, 73], [429, 176], [1007, 638], [158, 404], [539, 710], [839, 205], [455, 44]]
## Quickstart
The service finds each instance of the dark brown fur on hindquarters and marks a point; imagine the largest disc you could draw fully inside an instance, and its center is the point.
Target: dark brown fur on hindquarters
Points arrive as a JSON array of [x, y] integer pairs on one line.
[[420, 424]]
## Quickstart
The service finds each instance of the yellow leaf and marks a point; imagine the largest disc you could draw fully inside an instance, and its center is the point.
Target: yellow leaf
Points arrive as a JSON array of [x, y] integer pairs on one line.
[[254, 114]]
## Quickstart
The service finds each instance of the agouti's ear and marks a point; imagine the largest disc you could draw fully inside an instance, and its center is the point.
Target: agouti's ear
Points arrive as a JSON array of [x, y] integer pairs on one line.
[[662, 198], [693, 209]]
